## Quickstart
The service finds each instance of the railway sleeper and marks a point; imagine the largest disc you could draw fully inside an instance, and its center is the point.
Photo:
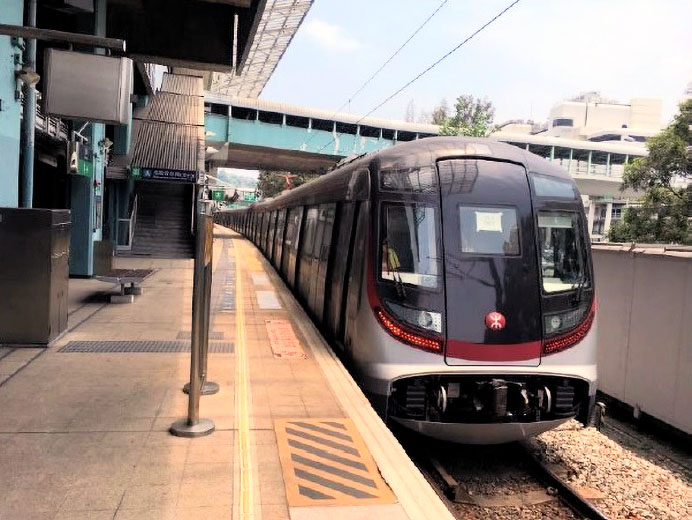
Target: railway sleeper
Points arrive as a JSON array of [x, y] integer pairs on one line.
[[488, 399]]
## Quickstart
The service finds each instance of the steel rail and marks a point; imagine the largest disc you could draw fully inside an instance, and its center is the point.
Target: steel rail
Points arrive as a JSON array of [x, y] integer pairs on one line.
[[568, 494], [50, 35]]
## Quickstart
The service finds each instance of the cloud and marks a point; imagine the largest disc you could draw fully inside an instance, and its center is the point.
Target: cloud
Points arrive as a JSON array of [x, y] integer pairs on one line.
[[330, 36]]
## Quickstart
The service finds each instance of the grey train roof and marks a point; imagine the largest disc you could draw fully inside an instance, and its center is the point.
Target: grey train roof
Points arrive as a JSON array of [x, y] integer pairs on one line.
[[421, 152]]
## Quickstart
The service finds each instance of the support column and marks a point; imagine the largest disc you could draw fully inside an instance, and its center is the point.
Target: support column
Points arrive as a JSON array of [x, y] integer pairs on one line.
[[87, 191], [11, 13], [608, 218], [592, 214], [29, 116]]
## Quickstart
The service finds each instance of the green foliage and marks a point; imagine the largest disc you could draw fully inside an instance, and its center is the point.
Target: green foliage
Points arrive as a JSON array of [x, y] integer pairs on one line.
[[272, 183], [471, 116], [666, 205]]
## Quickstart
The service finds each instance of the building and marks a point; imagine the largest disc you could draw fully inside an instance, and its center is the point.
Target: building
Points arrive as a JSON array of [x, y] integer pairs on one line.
[[593, 138]]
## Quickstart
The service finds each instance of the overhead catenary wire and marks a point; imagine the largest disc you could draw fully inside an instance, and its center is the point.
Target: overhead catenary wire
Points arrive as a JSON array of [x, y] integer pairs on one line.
[[432, 66], [394, 54]]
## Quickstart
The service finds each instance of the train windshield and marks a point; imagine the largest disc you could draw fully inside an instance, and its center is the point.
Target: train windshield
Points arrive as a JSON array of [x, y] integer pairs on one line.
[[409, 245], [562, 262]]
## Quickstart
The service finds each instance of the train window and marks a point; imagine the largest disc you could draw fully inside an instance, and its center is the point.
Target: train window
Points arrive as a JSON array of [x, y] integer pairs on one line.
[[489, 230], [409, 245], [545, 186], [416, 180], [562, 264]]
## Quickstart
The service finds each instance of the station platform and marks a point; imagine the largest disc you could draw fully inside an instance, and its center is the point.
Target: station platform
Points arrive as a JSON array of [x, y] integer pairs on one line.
[[84, 422]]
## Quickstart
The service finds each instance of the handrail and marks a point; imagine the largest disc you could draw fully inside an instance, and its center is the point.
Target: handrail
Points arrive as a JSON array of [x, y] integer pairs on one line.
[[131, 222]]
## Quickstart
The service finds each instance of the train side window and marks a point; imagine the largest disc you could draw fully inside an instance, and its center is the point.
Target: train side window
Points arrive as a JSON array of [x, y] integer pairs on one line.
[[563, 266], [489, 230], [409, 245]]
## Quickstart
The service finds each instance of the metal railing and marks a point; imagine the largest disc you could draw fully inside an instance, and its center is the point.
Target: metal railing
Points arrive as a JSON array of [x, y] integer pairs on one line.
[[127, 224]]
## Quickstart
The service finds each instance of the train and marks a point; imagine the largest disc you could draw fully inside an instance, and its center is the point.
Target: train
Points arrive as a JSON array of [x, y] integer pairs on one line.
[[453, 276]]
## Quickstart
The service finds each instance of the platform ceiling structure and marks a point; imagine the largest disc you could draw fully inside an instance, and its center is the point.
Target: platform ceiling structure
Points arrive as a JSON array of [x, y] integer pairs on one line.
[[275, 30]]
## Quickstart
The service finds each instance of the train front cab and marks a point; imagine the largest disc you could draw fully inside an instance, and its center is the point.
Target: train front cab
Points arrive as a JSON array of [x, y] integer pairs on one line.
[[482, 302]]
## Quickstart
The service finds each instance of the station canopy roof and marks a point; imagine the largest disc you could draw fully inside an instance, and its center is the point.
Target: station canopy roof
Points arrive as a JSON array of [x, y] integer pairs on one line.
[[277, 26]]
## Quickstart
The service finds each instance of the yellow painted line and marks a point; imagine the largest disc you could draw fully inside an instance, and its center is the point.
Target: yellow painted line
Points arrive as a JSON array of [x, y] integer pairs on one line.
[[246, 507]]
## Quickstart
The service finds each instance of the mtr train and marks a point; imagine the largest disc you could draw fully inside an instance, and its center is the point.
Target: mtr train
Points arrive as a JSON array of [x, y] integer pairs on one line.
[[454, 277]]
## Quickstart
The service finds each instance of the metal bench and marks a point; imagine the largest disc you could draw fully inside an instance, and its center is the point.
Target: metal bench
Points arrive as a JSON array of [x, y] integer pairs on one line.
[[104, 271]]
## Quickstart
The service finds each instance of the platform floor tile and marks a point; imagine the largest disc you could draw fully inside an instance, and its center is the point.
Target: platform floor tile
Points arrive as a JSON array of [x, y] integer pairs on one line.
[[326, 462]]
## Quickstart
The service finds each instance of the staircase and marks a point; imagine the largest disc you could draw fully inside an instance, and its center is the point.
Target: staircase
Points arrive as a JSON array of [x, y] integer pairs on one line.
[[163, 220]]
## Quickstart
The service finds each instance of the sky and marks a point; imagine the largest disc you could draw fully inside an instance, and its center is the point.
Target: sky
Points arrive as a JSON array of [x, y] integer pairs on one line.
[[536, 54]]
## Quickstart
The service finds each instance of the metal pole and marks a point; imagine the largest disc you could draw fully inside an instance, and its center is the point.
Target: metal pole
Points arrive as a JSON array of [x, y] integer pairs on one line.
[[29, 115], [208, 387], [193, 426], [50, 35], [206, 229]]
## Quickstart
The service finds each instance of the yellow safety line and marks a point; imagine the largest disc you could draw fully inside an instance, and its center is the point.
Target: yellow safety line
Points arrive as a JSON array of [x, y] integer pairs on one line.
[[246, 482]]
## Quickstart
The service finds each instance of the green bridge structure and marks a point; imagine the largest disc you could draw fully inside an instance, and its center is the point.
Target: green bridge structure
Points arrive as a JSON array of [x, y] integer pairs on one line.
[[257, 134]]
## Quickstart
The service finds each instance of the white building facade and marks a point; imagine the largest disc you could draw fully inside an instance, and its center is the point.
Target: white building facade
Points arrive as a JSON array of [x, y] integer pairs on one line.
[[593, 138]]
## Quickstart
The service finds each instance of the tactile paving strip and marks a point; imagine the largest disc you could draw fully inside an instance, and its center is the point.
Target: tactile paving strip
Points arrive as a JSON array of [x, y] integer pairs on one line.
[[326, 462], [141, 346]]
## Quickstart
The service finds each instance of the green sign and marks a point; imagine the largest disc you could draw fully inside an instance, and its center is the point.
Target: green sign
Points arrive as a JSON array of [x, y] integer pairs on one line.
[[250, 197], [85, 168], [136, 172], [217, 195]]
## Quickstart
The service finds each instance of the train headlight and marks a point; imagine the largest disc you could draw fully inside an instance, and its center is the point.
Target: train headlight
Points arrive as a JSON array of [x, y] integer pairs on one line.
[[428, 320], [407, 336], [566, 329]]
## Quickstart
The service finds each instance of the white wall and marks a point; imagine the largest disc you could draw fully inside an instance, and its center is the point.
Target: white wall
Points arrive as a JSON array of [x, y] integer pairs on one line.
[[645, 330]]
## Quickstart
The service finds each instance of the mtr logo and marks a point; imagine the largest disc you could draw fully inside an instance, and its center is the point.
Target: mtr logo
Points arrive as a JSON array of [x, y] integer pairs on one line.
[[495, 321]]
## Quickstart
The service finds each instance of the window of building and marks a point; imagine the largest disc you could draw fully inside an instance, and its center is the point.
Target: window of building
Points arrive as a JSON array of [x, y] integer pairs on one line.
[[563, 121]]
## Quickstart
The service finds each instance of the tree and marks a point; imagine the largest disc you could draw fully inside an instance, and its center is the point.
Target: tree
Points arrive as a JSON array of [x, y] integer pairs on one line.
[[471, 116], [272, 183], [410, 112], [664, 176], [440, 113]]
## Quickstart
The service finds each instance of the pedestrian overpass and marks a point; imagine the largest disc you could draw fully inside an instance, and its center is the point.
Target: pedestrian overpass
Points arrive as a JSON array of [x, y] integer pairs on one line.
[[257, 134]]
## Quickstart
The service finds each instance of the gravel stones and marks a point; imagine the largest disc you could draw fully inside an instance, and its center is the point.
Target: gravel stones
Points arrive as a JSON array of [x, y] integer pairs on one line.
[[637, 483]]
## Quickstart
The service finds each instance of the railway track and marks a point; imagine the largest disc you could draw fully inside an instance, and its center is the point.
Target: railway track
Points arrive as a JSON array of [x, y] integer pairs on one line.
[[505, 481]]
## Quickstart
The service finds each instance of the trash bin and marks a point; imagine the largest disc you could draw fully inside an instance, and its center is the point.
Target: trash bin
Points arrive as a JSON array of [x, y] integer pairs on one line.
[[34, 274]]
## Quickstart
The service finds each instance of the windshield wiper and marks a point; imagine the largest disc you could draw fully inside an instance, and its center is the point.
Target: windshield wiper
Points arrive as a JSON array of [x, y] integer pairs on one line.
[[398, 282]]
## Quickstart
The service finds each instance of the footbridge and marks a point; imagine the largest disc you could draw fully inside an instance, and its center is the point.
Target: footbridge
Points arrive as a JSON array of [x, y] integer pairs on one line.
[[257, 134]]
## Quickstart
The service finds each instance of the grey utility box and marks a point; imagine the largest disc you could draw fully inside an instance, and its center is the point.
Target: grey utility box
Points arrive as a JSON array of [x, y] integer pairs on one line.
[[34, 274], [88, 86]]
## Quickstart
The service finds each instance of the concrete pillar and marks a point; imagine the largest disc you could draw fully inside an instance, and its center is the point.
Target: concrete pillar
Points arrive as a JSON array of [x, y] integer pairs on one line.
[[87, 192], [608, 218], [592, 214], [12, 13]]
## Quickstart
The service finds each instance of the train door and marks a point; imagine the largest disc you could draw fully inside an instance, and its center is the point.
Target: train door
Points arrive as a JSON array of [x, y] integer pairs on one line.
[[270, 236], [279, 238], [306, 253], [320, 264], [290, 255], [490, 260], [355, 277], [343, 246]]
